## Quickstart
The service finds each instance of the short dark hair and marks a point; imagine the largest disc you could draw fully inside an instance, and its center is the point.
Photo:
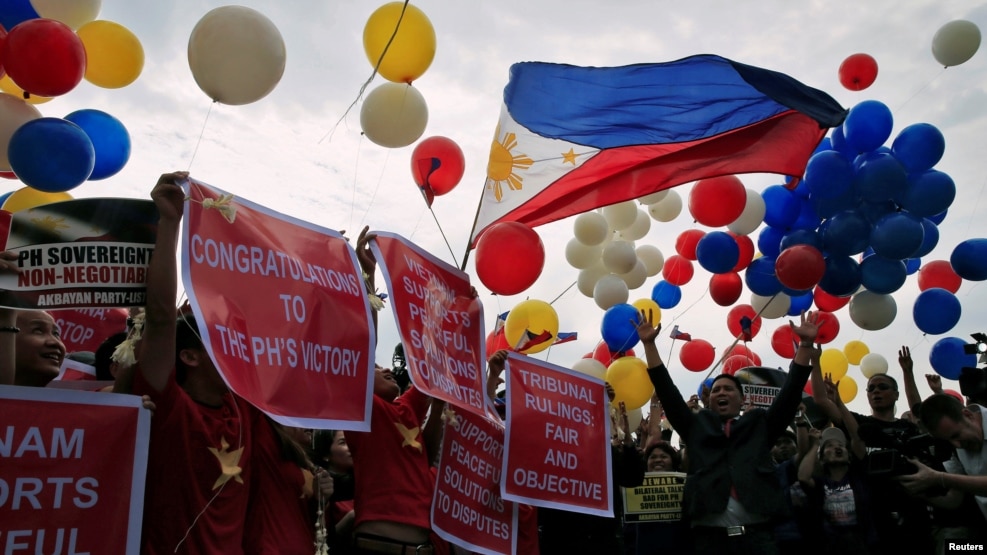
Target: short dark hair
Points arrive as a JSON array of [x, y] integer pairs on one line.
[[732, 378], [940, 406], [669, 450], [889, 377], [104, 353], [186, 337]]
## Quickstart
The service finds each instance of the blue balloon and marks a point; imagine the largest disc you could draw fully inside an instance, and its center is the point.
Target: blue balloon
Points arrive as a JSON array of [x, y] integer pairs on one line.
[[862, 158], [801, 190], [897, 236], [938, 218], [717, 252], [760, 277], [5, 196], [619, 327], [110, 139], [874, 211], [919, 147], [846, 233], [825, 144], [929, 240], [802, 237], [868, 125], [707, 385], [781, 206], [838, 140], [912, 265], [769, 241], [808, 219], [969, 259], [881, 275], [13, 12], [936, 311], [828, 174], [948, 357], [928, 193], [51, 154], [800, 303], [666, 294], [881, 178], [842, 276], [827, 207]]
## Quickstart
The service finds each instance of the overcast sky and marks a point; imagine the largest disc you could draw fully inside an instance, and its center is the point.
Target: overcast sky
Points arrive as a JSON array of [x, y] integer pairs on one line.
[[270, 151]]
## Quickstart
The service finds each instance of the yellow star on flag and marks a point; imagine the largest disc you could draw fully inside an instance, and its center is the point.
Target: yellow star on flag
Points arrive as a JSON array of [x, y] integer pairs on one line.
[[229, 463], [410, 435], [569, 157]]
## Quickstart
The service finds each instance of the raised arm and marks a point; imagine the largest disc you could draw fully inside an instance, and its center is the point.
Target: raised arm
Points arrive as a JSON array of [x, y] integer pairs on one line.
[[807, 466], [908, 374], [156, 350], [857, 446], [368, 265], [782, 410], [819, 396], [676, 409]]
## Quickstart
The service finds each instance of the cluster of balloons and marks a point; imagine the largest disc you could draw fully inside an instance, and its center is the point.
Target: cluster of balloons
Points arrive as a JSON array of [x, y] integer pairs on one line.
[[399, 41], [47, 47]]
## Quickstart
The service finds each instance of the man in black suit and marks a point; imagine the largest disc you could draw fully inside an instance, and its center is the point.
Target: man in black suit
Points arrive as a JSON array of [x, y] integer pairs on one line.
[[731, 492]]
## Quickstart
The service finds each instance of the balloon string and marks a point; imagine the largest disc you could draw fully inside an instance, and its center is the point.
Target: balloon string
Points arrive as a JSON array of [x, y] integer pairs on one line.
[[563, 293], [737, 339], [201, 133], [363, 87], [356, 171], [444, 238], [922, 88], [376, 188], [417, 223]]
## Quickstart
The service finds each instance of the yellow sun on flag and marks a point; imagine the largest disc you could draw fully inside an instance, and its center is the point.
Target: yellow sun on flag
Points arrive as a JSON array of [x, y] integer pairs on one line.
[[50, 224], [503, 162]]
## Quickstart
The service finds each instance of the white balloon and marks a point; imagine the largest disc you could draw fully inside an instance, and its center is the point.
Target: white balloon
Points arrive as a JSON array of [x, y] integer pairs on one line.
[[634, 418], [236, 54], [871, 311], [619, 257], [586, 281], [638, 229], [581, 256], [74, 13], [636, 277], [652, 259], [620, 215], [610, 290], [394, 115], [653, 197], [956, 42], [590, 367], [14, 113], [873, 364], [591, 228], [668, 209], [775, 306], [752, 216]]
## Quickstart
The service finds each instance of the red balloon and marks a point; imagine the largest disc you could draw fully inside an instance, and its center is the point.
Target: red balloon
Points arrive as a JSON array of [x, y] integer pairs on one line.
[[677, 270], [939, 273], [496, 341], [3, 39], [749, 355], [696, 355], [726, 288], [437, 164], [737, 313], [825, 301], [800, 267], [686, 242], [858, 72], [783, 341], [829, 327], [717, 201], [956, 394], [734, 363], [603, 354], [44, 57], [746, 251], [509, 257]]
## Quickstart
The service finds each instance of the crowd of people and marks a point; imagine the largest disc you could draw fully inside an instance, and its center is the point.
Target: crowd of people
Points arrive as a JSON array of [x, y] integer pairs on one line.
[[225, 478]]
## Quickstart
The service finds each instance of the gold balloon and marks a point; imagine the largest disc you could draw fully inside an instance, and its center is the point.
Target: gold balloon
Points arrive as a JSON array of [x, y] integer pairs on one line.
[[410, 49], [629, 378], [532, 316], [847, 389], [114, 55], [855, 351], [25, 198], [649, 307], [834, 363]]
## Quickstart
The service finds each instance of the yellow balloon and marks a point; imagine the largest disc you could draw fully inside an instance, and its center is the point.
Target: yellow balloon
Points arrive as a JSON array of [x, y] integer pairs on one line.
[[855, 351], [629, 378], [834, 363], [114, 55], [8, 86], [648, 306], [26, 197], [413, 46], [535, 317], [847, 389]]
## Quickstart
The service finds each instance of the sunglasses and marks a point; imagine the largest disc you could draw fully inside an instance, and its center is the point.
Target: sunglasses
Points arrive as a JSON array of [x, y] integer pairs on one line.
[[878, 387]]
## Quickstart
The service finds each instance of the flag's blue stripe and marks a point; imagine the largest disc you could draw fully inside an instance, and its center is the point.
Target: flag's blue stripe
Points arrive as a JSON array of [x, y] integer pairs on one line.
[[686, 100]]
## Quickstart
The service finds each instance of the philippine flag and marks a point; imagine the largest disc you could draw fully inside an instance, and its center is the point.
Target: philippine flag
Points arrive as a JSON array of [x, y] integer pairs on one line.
[[571, 139]]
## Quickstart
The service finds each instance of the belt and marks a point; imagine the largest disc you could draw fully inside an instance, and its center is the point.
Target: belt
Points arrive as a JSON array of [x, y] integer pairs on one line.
[[380, 544], [732, 531]]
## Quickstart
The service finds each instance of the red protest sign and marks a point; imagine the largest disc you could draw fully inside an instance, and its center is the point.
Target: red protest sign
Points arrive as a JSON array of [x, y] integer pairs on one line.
[[58, 494], [467, 508], [80, 253], [85, 328], [558, 438], [281, 307], [440, 322]]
